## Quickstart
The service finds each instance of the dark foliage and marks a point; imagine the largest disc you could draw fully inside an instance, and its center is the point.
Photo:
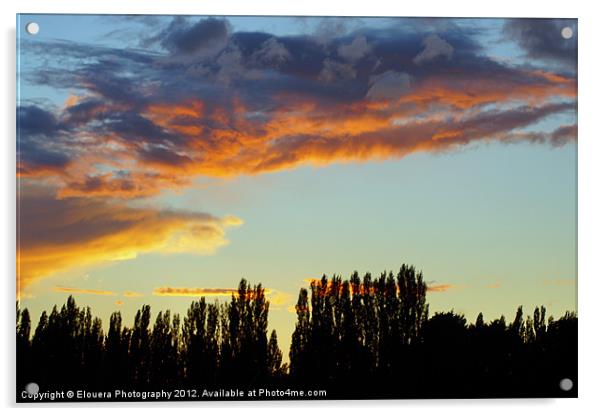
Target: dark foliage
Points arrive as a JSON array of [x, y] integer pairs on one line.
[[372, 338], [358, 338], [217, 345]]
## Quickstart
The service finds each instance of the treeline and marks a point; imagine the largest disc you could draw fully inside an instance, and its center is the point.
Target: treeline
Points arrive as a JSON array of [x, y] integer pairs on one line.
[[357, 338], [213, 345], [373, 337]]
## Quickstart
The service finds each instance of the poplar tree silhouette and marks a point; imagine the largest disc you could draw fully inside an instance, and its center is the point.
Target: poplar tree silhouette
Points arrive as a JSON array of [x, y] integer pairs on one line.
[[201, 343], [24, 354], [358, 338], [371, 338]]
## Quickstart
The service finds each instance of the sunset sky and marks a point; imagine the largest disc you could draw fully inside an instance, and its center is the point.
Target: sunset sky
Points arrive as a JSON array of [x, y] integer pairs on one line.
[[162, 158]]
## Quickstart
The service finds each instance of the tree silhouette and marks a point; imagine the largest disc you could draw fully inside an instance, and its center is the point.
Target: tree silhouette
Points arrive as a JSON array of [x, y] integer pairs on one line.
[[300, 352], [358, 327], [366, 337], [164, 362], [357, 338], [116, 353], [24, 353], [201, 343], [140, 348], [274, 359], [245, 352]]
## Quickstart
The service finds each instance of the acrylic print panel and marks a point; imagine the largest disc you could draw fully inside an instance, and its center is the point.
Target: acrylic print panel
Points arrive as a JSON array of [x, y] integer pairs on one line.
[[274, 208]]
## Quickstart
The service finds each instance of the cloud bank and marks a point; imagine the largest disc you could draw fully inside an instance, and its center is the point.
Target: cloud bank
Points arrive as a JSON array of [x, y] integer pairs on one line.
[[204, 100], [60, 234]]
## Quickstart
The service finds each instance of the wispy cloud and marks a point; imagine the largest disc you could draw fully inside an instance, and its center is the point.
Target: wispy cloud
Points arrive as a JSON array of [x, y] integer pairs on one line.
[[75, 290], [129, 294], [192, 291], [276, 298], [279, 298], [444, 287]]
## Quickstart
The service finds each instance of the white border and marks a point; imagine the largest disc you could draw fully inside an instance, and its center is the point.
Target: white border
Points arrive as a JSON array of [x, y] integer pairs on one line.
[[590, 207]]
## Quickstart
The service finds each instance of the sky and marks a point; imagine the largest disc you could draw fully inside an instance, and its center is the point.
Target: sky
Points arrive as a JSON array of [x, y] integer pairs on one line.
[[164, 158]]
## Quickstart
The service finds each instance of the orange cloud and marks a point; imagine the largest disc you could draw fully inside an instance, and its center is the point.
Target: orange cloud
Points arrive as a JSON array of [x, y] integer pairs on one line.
[[276, 298], [71, 101], [440, 288], [132, 185], [197, 291], [436, 114], [59, 234], [351, 132], [317, 283], [74, 290], [464, 92], [129, 294], [444, 287], [192, 291], [430, 288], [167, 116]]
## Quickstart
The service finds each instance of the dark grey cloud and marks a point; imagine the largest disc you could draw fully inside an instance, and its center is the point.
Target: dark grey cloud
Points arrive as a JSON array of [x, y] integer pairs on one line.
[[542, 39], [163, 156], [434, 47], [33, 120], [564, 134], [182, 37], [134, 128], [256, 66], [35, 156], [37, 149], [84, 111], [387, 85], [355, 50]]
